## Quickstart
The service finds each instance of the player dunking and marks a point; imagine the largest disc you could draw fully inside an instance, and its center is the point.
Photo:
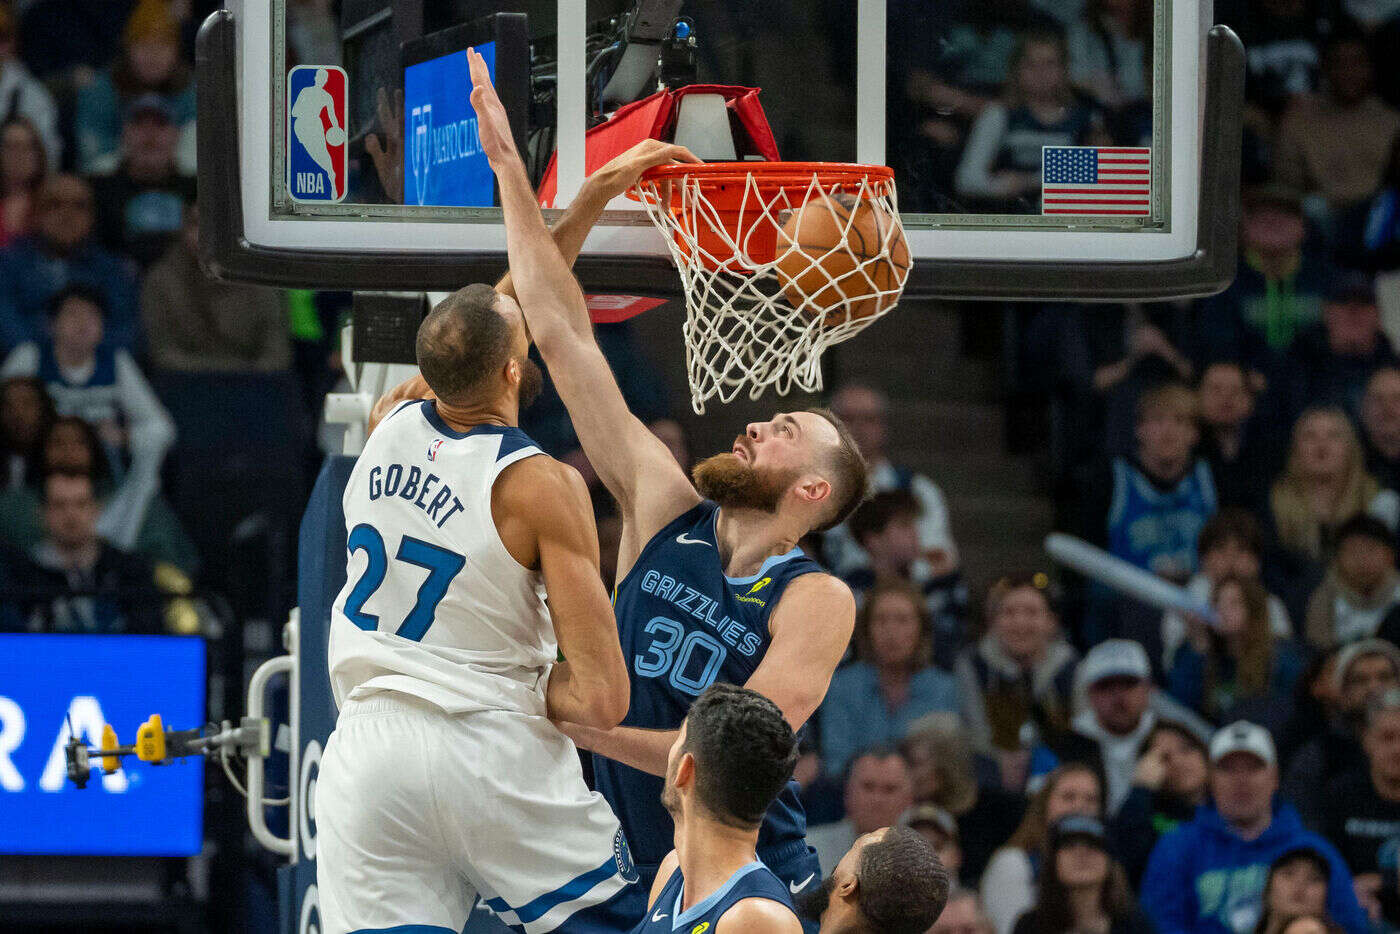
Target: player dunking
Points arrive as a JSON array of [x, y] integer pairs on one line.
[[712, 584], [444, 778]]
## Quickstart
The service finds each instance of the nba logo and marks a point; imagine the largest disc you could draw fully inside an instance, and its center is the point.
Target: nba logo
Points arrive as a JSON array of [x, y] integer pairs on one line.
[[317, 133], [433, 448]]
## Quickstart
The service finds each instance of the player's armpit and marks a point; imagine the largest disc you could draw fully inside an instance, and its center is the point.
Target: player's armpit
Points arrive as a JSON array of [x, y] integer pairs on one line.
[[758, 914], [541, 500], [668, 868], [415, 387], [811, 629]]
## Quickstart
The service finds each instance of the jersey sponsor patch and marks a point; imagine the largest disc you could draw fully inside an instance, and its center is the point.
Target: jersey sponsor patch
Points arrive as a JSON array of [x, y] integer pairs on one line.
[[626, 868]]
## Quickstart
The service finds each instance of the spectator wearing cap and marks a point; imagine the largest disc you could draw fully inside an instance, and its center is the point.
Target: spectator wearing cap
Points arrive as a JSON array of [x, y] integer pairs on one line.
[[1171, 781], [891, 683], [1361, 586], [197, 324], [21, 94], [1380, 424], [150, 63], [1334, 144], [141, 203], [104, 387], [1296, 888], [941, 764], [1082, 888], [1016, 681], [1207, 876], [1234, 666], [59, 252], [1009, 884], [865, 410], [1362, 670], [1231, 545], [1330, 361], [1361, 812], [940, 829], [878, 790], [1123, 707]]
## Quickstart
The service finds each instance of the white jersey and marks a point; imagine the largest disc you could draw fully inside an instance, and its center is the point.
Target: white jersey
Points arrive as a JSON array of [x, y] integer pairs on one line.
[[434, 605]]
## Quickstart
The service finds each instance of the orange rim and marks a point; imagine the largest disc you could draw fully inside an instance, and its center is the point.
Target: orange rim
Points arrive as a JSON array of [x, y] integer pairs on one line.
[[771, 176]]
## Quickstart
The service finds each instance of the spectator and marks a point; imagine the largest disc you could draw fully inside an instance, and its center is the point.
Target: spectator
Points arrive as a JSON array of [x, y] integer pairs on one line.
[[1331, 362], [940, 829], [195, 324], [23, 167], [26, 412], [141, 204], [1123, 707], [1336, 144], [1296, 888], [1380, 424], [878, 790], [1081, 887], [1361, 812], [150, 63], [1278, 286], [941, 765], [672, 434], [1360, 588], [1001, 163], [963, 915], [76, 582], [1363, 670], [1017, 678], [1170, 782], [865, 412], [1009, 882], [891, 683], [1208, 875], [1110, 52], [60, 252], [71, 445], [1283, 62], [1230, 441], [1324, 484], [23, 95], [1152, 510], [104, 387], [1310, 924], [1235, 667], [1231, 545]]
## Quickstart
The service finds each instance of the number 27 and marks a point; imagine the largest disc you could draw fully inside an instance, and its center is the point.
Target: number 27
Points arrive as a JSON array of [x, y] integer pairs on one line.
[[442, 566]]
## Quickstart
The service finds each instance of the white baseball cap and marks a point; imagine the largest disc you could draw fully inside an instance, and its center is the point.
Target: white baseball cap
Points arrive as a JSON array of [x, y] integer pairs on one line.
[[1114, 658], [1243, 736]]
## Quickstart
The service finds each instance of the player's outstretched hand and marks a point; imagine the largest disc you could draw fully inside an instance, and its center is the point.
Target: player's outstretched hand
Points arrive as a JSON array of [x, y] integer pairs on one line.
[[493, 126], [624, 171]]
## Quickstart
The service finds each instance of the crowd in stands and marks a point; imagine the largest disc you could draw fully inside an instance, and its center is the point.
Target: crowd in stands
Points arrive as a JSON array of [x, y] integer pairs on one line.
[[1086, 763]]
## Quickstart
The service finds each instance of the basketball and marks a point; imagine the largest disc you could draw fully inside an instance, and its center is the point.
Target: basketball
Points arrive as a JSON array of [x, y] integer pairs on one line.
[[335, 136], [841, 284]]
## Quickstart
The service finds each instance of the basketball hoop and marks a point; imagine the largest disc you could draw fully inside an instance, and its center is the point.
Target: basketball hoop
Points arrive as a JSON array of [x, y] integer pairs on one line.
[[779, 261]]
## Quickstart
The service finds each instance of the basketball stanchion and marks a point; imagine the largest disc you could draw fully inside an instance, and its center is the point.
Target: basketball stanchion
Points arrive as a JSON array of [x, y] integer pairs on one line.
[[778, 261]]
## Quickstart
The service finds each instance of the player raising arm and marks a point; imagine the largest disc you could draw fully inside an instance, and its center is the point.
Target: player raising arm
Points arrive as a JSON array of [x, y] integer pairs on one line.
[[712, 584]]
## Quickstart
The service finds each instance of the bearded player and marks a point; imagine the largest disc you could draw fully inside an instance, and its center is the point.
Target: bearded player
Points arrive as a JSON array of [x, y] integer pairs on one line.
[[712, 584]]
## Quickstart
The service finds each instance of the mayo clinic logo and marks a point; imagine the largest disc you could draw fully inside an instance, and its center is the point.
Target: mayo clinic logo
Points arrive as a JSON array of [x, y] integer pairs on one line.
[[436, 146], [317, 131], [421, 162]]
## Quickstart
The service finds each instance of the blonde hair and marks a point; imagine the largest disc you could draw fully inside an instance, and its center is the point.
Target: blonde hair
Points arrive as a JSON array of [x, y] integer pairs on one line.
[[1298, 528], [1255, 664], [948, 751]]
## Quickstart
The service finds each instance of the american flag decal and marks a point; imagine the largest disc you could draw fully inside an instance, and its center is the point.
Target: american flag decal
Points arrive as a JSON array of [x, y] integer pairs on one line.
[[1096, 180]]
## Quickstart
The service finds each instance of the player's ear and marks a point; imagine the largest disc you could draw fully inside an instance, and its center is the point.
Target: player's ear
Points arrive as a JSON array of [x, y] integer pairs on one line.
[[685, 770], [814, 489]]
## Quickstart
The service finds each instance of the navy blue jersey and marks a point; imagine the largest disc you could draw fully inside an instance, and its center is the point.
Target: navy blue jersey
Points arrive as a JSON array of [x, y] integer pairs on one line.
[[685, 625], [666, 917]]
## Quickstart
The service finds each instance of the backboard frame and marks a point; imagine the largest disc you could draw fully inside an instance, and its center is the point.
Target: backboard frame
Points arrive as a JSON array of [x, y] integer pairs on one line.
[[1200, 260]]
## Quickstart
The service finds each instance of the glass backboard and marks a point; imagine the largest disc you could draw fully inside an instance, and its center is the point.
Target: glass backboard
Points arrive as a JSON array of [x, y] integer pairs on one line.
[[1036, 153]]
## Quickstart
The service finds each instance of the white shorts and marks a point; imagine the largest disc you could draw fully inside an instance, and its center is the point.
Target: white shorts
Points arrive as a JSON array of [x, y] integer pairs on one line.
[[418, 812]]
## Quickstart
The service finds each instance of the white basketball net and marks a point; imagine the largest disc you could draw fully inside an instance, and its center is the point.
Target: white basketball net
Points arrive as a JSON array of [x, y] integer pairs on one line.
[[744, 327]]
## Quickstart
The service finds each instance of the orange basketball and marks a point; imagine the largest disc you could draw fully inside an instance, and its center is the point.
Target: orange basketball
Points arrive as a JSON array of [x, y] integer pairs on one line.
[[827, 255]]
